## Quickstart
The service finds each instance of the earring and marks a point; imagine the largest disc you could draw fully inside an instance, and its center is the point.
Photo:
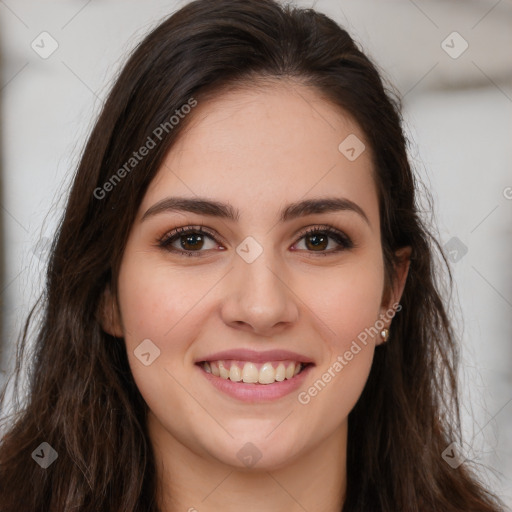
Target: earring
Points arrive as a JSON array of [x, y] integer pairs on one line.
[[384, 334]]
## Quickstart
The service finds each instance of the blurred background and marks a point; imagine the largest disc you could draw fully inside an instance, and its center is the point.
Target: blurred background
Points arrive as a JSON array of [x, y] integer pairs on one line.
[[447, 59]]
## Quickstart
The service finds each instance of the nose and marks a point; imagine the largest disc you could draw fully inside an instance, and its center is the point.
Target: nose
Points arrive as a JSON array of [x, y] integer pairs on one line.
[[258, 298]]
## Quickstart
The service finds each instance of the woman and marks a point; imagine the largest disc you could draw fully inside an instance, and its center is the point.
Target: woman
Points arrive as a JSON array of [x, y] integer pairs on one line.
[[241, 309]]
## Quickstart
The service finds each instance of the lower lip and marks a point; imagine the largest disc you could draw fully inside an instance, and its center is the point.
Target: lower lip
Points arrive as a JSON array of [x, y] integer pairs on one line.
[[257, 392]]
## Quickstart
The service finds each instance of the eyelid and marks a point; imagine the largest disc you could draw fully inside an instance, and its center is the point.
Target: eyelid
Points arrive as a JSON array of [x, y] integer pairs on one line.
[[332, 232], [193, 228]]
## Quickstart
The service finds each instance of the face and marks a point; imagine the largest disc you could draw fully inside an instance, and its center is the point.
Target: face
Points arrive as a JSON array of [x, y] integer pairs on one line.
[[257, 292]]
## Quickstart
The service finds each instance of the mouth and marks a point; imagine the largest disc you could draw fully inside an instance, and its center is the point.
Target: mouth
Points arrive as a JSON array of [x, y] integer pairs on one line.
[[250, 372], [252, 376]]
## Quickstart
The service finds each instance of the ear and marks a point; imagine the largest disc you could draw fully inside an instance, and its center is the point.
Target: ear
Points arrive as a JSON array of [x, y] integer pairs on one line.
[[394, 293], [109, 314]]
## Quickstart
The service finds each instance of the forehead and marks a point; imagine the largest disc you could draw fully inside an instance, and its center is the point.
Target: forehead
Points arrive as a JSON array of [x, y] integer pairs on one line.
[[261, 147]]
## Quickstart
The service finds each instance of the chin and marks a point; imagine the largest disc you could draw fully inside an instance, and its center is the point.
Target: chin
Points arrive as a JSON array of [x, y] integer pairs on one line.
[[258, 453]]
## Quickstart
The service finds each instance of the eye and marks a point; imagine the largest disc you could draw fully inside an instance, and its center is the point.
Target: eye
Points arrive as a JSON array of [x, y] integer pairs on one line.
[[188, 241], [317, 239]]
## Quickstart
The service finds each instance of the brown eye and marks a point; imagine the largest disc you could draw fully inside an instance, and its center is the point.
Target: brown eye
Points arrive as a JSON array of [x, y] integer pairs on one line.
[[188, 241], [192, 241], [318, 240]]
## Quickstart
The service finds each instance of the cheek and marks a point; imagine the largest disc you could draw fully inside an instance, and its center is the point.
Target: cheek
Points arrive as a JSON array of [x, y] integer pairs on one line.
[[347, 359], [347, 301], [153, 300], [162, 304], [150, 314], [349, 312], [332, 394], [154, 316]]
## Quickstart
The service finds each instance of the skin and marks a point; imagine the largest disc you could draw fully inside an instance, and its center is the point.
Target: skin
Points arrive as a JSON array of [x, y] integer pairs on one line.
[[257, 149]]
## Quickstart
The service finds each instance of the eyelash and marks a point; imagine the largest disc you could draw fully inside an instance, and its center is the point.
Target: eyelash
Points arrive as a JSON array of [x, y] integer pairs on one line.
[[339, 237]]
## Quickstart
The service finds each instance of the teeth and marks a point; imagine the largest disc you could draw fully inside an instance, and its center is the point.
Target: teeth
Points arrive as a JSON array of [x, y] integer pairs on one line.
[[248, 372], [267, 374], [235, 374], [224, 372], [280, 372], [214, 369]]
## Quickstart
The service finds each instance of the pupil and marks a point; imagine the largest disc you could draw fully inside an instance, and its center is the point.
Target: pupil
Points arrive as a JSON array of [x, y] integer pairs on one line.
[[317, 238], [188, 238]]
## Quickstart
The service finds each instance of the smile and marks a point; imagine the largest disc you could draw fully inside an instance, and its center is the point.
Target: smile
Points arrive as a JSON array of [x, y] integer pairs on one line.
[[250, 372], [255, 376]]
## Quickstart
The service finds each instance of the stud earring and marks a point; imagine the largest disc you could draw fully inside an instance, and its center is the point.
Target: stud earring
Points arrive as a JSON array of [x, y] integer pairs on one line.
[[384, 334]]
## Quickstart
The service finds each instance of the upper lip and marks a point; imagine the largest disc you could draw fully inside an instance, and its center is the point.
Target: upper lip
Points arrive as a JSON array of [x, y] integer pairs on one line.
[[243, 354]]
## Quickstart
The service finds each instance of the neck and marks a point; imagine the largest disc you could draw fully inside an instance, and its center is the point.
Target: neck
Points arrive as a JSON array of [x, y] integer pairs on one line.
[[315, 480]]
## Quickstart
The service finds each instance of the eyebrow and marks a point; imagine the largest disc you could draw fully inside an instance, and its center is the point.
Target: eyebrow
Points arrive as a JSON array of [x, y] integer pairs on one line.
[[204, 206]]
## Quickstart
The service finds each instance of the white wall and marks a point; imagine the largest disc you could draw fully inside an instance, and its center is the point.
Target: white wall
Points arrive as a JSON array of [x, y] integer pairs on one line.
[[458, 113]]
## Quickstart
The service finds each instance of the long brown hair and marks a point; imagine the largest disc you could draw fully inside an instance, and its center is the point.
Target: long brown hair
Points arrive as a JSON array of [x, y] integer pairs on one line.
[[82, 399]]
